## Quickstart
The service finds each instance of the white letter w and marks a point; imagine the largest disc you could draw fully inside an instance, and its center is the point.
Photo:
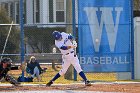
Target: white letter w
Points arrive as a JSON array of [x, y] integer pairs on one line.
[[107, 19]]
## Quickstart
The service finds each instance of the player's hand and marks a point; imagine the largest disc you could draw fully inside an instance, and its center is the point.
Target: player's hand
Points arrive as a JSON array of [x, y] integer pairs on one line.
[[73, 46], [74, 43]]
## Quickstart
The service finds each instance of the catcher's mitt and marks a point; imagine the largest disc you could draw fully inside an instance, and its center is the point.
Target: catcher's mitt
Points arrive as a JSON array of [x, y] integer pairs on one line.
[[12, 80]]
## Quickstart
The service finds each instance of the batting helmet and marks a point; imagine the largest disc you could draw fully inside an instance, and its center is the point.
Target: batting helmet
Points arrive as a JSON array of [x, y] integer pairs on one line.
[[57, 35]]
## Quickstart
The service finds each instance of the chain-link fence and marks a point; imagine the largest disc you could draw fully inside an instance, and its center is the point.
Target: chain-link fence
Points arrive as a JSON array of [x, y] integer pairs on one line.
[[41, 18]]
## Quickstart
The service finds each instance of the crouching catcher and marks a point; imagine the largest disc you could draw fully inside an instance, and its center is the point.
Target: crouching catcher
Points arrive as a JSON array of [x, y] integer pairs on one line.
[[5, 66]]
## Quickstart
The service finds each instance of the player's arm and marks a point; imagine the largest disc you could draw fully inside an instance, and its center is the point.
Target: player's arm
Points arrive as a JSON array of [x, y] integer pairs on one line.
[[66, 47], [66, 35], [70, 37]]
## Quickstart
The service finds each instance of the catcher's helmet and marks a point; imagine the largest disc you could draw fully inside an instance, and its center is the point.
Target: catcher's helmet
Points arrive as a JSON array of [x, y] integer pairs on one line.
[[57, 35], [8, 61]]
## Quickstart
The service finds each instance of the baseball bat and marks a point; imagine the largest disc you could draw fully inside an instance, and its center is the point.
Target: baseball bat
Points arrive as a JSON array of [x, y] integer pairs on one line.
[[74, 43]]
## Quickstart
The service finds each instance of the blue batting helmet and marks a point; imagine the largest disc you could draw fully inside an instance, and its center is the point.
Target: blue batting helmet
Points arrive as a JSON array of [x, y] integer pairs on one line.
[[57, 35]]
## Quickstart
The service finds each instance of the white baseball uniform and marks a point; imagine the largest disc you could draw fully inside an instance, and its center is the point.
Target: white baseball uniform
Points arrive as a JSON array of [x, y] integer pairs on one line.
[[67, 55]]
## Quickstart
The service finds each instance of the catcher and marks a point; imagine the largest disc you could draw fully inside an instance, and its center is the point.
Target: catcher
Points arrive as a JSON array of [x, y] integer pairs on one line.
[[5, 66]]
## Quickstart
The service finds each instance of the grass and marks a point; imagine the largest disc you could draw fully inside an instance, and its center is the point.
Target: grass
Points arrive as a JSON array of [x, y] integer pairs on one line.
[[50, 73]]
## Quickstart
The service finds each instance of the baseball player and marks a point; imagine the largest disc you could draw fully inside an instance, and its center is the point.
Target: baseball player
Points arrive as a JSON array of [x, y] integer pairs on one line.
[[5, 66], [64, 42]]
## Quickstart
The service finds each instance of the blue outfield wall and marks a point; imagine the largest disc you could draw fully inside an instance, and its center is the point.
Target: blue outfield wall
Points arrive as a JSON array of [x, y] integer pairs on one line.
[[104, 28]]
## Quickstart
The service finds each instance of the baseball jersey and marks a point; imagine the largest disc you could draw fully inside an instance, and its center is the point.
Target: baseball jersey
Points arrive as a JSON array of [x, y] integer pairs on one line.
[[64, 42]]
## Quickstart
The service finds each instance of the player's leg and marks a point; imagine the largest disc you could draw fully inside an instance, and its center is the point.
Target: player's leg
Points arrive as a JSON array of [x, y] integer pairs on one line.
[[75, 63], [36, 72], [65, 66], [12, 80]]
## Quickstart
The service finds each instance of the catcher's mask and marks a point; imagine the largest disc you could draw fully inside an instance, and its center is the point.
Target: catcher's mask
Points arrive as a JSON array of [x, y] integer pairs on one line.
[[6, 61]]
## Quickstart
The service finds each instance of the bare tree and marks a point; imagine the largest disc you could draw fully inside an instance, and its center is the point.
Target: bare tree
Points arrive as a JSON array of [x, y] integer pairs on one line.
[[69, 6], [137, 5]]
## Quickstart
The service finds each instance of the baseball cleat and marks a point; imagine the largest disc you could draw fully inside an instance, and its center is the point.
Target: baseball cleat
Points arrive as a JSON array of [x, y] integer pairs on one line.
[[87, 83], [49, 83]]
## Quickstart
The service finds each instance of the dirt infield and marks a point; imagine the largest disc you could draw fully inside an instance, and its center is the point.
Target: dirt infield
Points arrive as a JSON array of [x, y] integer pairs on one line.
[[127, 88], [101, 84]]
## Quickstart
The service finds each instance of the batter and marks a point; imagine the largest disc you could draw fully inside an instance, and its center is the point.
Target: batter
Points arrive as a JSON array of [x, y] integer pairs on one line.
[[64, 42]]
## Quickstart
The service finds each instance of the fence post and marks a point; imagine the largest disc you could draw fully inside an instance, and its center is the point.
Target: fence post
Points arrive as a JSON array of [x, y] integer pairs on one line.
[[132, 41], [22, 36], [74, 30]]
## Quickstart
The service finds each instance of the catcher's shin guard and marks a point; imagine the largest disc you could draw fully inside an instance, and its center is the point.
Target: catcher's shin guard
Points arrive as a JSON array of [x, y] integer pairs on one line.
[[12, 80]]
